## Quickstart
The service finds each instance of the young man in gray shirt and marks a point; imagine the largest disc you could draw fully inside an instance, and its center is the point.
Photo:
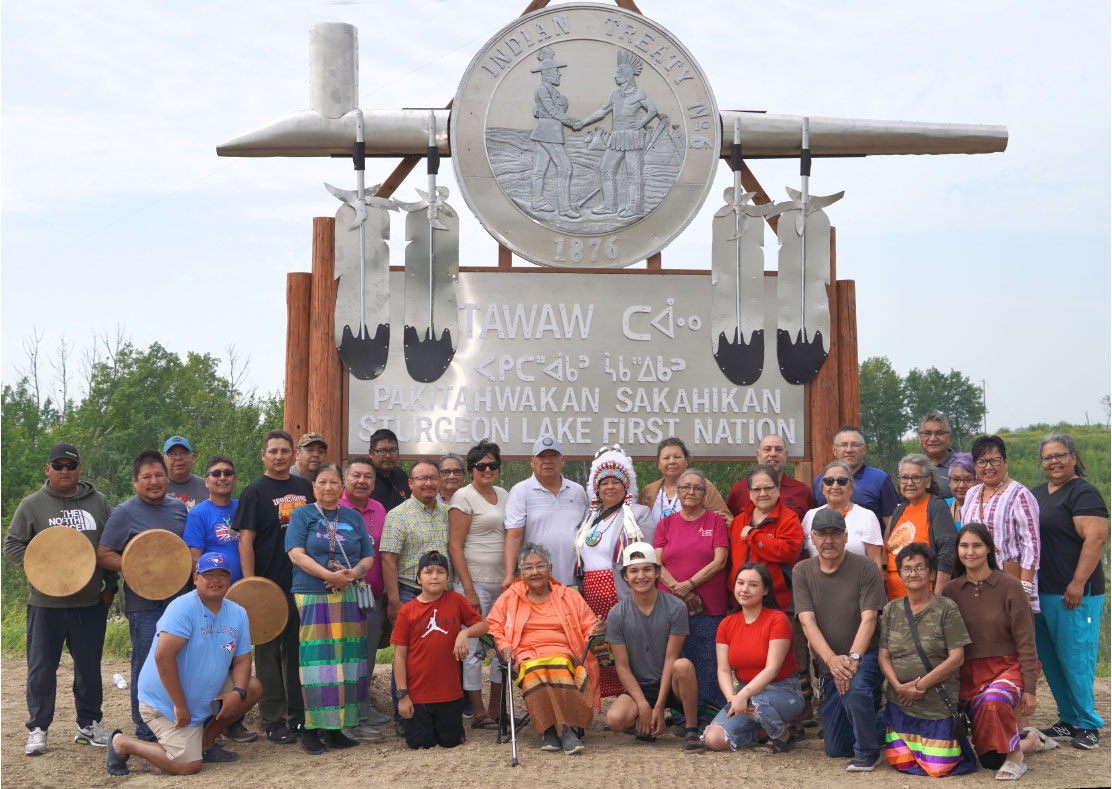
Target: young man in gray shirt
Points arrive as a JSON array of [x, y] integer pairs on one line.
[[646, 632]]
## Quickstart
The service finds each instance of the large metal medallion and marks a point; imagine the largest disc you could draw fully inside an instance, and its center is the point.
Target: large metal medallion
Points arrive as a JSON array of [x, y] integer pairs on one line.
[[584, 135]]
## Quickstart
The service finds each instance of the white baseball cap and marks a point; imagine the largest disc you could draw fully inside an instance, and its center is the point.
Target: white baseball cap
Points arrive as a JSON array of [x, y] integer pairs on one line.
[[648, 554], [546, 442]]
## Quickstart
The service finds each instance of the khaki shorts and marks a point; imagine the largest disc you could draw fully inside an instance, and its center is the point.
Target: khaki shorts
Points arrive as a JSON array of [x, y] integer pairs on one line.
[[181, 745]]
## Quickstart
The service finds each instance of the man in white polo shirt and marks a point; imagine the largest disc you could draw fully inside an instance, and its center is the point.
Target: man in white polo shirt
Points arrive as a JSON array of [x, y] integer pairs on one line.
[[547, 508]]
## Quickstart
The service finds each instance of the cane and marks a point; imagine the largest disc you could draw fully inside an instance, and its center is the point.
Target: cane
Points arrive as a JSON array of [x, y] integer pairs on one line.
[[510, 710]]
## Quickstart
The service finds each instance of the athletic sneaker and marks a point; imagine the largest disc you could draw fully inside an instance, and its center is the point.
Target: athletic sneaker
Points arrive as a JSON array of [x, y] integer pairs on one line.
[[36, 742], [335, 738], [362, 732], [550, 741], [237, 732], [280, 734], [1086, 739], [1061, 731], [862, 765], [570, 743], [468, 712], [310, 742], [93, 734], [218, 755], [376, 718]]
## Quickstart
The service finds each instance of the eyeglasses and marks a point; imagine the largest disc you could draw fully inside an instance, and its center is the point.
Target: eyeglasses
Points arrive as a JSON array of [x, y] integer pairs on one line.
[[1057, 458], [533, 568], [691, 488], [424, 479], [995, 462], [918, 569], [178, 452], [933, 433], [216, 473], [849, 445], [391, 451], [67, 465], [451, 472], [493, 466], [910, 479], [962, 481], [765, 489], [830, 482]]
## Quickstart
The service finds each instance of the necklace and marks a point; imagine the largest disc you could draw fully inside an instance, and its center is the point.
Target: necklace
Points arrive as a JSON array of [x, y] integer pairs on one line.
[[595, 537], [666, 506]]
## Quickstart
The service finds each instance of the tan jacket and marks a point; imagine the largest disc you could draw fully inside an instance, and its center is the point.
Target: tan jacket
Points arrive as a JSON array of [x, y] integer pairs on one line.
[[712, 502]]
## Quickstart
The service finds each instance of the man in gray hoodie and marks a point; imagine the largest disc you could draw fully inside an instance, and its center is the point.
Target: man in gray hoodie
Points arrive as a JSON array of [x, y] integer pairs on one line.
[[79, 620]]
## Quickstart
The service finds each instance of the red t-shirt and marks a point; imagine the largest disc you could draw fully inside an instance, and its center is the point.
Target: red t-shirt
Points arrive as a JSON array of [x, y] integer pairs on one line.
[[749, 643], [429, 632]]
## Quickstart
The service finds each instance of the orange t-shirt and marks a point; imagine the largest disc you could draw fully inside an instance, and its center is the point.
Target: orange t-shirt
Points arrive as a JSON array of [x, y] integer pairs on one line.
[[543, 633], [913, 527]]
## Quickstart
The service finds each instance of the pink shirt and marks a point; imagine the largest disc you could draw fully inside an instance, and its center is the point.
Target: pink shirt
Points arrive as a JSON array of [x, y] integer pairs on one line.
[[374, 516], [689, 547]]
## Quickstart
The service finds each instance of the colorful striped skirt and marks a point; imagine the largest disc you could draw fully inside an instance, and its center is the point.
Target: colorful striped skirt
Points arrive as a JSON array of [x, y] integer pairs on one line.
[[601, 596], [925, 747], [332, 659], [992, 686], [557, 692]]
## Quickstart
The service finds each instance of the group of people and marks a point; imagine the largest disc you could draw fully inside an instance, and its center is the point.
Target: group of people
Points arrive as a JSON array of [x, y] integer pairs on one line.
[[732, 619]]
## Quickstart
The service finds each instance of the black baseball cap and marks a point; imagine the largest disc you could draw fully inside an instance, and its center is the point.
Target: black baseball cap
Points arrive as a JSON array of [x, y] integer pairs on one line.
[[59, 451]]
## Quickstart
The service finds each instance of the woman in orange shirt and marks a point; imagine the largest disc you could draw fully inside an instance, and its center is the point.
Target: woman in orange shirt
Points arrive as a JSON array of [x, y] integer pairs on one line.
[[541, 628], [768, 532], [921, 517]]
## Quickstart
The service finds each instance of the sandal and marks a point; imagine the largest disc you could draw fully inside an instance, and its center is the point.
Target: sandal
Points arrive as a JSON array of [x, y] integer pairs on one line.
[[775, 746], [692, 743], [483, 721], [1047, 743], [1011, 771]]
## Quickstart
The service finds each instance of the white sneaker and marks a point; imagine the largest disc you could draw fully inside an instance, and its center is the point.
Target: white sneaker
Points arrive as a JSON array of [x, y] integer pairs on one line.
[[93, 734], [36, 742], [362, 732]]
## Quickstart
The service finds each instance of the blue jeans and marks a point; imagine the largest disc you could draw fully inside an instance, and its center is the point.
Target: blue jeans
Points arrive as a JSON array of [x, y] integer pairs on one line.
[[850, 724], [1067, 645], [143, 627], [405, 594], [776, 705]]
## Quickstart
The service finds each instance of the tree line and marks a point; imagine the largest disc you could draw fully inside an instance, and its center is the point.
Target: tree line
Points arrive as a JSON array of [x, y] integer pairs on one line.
[[892, 404]]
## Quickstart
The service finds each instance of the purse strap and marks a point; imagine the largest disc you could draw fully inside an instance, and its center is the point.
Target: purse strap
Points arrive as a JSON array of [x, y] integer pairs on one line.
[[923, 656]]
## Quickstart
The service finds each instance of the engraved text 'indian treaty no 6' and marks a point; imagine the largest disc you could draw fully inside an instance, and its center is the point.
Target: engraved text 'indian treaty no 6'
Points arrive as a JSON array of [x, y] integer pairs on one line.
[[575, 120]]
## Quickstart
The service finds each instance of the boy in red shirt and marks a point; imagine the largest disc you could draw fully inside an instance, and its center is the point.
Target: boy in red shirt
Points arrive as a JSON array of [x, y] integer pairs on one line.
[[428, 647]]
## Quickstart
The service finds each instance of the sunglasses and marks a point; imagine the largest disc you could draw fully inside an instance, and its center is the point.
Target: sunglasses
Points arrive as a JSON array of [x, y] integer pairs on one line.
[[487, 466], [216, 473], [68, 465], [832, 481]]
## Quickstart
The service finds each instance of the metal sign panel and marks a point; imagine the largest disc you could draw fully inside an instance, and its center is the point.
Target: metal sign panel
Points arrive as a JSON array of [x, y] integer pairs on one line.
[[623, 358]]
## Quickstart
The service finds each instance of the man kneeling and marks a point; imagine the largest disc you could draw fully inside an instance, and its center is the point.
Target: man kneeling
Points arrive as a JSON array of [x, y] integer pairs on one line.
[[646, 632], [196, 681]]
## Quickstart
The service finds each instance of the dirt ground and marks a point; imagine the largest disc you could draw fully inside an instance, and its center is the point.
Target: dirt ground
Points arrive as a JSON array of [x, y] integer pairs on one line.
[[610, 759]]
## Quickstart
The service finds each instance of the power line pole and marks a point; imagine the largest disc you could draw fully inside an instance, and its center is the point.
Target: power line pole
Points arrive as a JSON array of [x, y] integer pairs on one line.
[[984, 407]]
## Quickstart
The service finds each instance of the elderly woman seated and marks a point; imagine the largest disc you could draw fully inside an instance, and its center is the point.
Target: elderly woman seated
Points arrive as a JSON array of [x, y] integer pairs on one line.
[[542, 629]]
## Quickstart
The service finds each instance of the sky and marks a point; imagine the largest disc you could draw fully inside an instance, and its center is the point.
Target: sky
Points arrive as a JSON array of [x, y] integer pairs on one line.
[[995, 265]]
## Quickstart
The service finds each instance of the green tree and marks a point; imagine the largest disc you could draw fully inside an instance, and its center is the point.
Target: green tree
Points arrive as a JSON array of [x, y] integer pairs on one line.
[[950, 393], [884, 414]]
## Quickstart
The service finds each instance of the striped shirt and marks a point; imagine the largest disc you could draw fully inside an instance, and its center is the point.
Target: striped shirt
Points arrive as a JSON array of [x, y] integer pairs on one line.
[[411, 530], [1012, 518]]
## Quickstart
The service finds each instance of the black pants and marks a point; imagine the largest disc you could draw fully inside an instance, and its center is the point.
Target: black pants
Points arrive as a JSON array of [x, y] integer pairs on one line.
[[276, 665], [435, 724], [82, 630]]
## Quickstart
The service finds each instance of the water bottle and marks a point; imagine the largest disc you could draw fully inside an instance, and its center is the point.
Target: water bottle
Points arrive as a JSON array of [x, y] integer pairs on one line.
[[121, 683]]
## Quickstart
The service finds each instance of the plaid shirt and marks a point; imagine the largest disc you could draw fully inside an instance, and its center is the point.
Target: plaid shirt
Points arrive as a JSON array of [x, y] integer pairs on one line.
[[412, 530]]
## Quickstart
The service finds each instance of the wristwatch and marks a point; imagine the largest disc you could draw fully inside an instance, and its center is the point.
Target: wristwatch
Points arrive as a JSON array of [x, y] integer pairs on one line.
[[400, 693], [856, 656], [242, 693]]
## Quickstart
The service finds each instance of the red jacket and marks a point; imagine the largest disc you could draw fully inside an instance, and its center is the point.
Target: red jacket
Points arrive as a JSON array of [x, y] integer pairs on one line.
[[775, 542]]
